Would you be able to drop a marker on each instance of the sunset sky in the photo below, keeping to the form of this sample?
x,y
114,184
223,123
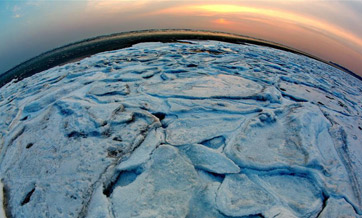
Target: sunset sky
x,y
331,30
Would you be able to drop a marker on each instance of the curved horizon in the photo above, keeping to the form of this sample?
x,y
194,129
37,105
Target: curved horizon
x,y
91,46
328,30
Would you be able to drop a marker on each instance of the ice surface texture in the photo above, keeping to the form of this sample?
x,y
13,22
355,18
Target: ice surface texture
x,y
192,129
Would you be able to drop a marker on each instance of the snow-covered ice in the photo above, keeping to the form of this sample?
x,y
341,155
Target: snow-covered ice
x,y
192,129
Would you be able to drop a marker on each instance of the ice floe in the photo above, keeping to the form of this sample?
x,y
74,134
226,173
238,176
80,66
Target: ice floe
x,y
198,129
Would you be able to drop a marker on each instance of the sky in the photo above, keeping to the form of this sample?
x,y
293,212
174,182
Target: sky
x,y
330,30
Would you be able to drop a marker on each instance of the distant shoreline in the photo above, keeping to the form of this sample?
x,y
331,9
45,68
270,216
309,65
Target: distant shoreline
x,y
82,49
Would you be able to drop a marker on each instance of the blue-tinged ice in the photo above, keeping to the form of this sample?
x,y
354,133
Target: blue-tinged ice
x,y
193,129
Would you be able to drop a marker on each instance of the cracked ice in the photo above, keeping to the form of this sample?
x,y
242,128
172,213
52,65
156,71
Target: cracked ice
x,y
197,129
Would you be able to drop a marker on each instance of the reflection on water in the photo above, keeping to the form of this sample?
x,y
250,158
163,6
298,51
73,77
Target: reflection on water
x,y
329,30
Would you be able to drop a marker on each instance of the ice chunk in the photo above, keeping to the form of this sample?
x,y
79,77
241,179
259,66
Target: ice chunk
x,y
164,189
99,205
300,92
271,94
338,208
279,212
208,159
287,138
48,98
143,152
215,142
179,105
189,131
203,203
298,192
240,196
206,87
102,89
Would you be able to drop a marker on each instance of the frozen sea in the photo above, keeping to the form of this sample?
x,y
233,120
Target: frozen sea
x,y
184,129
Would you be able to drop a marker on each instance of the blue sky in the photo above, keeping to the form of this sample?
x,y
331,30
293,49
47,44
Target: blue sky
x,y
328,29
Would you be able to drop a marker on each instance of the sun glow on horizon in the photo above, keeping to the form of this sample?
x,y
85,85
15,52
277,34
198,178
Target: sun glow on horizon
x,y
311,23
327,29
222,21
